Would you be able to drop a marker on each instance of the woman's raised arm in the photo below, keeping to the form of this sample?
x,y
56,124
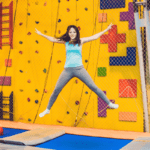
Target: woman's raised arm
x,y
52,39
96,36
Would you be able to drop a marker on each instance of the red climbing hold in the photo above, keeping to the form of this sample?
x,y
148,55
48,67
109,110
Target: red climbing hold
x,y
36,51
112,38
1,131
20,52
45,3
68,9
29,33
28,99
86,113
29,81
77,102
59,121
79,28
20,23
76,81
59,61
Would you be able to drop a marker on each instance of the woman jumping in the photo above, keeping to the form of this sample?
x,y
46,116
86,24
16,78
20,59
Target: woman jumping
x,y
73,66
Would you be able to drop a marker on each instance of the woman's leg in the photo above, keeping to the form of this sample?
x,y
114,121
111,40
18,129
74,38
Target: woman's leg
x,y
83,75
62,81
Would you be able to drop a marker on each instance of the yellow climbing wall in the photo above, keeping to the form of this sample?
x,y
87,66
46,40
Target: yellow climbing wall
x,y
32,55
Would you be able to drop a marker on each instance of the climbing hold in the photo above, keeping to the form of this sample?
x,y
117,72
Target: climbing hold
x,y
76,81
29,119
21,90
86,9
86,113
67,112
20,52
21,118
1,131
59,20
45,31
29,61
20,23
59,121
36,3
29,81
86,92
8,62
102,17
45,90
77,102
77,19
20,42
36,90
28,14
37,22
59,61
58,1
21,71
101,71
36,51
68,9
37,41
45,3
28,99
44,70
86,60
68,0
28,4
36,101
29,33
59,31
79,28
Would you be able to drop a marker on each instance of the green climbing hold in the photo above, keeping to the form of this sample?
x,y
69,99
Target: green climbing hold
x,y
101,71
44,70
29,119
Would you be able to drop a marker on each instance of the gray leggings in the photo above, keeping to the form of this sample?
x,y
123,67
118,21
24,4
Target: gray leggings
x,y
80,73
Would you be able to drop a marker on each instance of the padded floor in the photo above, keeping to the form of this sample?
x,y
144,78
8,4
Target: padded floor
x,y
33,137
15,147
141,143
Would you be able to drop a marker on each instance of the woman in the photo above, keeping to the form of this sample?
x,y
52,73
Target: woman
x,y
73,66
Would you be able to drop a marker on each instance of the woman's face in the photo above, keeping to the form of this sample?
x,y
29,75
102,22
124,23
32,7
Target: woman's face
x,y
72,33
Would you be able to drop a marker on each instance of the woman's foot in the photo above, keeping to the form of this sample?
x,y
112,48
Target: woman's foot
x,y
47,111
111,105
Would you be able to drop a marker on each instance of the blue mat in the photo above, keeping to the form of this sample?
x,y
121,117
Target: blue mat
x,y
75,142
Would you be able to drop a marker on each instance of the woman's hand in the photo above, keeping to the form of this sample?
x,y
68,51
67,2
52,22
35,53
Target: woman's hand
x,y
110,26
38,32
